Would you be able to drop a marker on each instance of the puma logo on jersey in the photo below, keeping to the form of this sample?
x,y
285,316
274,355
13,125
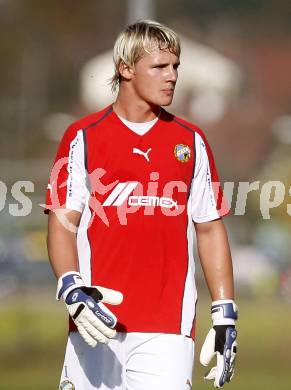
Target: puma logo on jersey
x,y
145,154
123,190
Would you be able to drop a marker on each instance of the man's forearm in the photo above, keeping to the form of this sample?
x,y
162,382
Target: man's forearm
x,y
215,257
62,243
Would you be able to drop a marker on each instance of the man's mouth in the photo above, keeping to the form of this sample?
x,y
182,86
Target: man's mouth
x,y
168,90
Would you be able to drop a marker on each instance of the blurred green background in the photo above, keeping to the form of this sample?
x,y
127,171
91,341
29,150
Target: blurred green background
x,y
33,337
234,82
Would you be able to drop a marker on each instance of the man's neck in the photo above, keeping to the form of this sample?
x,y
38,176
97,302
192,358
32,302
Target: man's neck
x,y
135,111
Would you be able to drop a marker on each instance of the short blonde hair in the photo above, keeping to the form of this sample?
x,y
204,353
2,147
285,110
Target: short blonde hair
x,y
140,38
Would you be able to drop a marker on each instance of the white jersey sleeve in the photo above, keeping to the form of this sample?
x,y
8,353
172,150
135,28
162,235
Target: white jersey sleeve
x,y
205,190
67,187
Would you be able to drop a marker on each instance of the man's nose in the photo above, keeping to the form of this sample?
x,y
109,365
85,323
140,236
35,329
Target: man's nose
x,y
172,74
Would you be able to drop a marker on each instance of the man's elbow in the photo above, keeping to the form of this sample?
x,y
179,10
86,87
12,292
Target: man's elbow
x,y
208,227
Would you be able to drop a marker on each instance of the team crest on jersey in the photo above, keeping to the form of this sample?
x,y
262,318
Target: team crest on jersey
x,y
182,153
67,385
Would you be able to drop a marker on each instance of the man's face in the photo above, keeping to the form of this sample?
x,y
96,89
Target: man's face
x,y
155,76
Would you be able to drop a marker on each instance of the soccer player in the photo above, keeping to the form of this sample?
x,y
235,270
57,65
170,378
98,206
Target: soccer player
x,y
129,186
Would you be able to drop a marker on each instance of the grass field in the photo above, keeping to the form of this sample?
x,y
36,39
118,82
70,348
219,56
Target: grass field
x,y
32,340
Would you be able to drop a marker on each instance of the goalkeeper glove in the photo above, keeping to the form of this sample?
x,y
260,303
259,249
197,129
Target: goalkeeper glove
x,y
94,321
221,340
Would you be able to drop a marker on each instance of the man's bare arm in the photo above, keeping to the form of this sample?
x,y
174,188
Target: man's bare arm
x,y
94,321
215,257
61,240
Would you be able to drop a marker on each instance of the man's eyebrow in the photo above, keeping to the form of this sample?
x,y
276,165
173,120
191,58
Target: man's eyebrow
x,y
166,63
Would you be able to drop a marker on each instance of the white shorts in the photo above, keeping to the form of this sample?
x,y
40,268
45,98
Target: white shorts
x,y
131,361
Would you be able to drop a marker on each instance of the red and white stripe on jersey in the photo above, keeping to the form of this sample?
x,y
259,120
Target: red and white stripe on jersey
x,y
67,187
145,250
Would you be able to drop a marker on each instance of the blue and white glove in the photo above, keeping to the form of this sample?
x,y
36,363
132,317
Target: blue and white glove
x,y
94,321
221,341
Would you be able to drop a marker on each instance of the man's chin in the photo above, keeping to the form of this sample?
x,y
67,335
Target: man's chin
x,y
166,102
161,102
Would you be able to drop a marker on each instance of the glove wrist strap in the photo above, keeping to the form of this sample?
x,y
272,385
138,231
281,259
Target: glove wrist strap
x,y
224,312
68,282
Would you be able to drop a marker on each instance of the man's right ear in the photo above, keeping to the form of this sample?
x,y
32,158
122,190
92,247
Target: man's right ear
x,y
125,71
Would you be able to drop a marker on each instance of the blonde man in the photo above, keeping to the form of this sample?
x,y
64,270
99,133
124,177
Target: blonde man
x,y
137,181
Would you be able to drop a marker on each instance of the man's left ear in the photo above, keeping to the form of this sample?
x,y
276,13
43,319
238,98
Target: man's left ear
x,y
126,71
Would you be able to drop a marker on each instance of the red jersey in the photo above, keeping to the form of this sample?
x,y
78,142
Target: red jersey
x,y
139,196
